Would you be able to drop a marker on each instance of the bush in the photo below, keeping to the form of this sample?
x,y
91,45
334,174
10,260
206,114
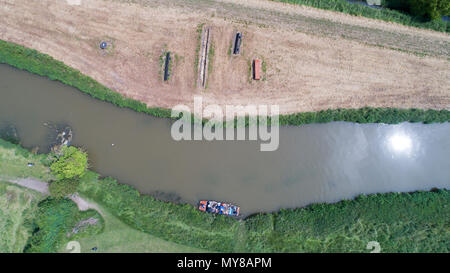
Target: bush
x,y
54,223
63,188
400,222
71,164
430,9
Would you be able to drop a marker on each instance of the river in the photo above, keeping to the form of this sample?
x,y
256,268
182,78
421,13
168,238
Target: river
x,y
314,163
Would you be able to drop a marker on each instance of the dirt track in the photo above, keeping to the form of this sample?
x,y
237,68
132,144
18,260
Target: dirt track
x,y
309,65
42,187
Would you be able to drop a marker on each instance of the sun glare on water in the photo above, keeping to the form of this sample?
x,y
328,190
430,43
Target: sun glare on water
x,y
400,143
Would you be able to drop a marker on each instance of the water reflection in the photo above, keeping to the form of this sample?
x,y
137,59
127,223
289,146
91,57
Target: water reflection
x,y
400,143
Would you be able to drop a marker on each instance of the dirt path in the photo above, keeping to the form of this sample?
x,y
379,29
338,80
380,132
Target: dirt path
x,y
31,183
314,59
83,204
42,187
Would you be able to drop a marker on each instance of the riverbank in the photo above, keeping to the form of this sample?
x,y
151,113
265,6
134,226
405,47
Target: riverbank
x,y
400,222
44,65
19,210
316,59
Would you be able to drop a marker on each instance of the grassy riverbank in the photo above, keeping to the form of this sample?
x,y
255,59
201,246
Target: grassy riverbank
x,y
407,222
58,221
44,65
22,210
118,237
18,208
14,160
388,15
416,222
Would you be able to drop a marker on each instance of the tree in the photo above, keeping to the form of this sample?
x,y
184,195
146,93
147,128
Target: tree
x,y
432,9
71,164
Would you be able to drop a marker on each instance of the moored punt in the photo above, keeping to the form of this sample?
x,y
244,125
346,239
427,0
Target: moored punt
x,y
256,69
218,208
237,43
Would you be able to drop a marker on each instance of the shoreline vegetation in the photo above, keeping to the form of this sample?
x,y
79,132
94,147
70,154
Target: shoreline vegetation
x,y
44,65
400,222
385,14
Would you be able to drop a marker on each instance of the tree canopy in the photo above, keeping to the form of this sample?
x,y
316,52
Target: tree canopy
x,y
72,164
431,9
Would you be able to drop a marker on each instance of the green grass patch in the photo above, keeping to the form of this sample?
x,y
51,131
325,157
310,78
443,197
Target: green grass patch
x,y
18,207
400,222
14,163
264,69
385,14
118,237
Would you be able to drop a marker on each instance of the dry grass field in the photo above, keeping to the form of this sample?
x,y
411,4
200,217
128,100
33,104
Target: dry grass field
x,y
313,59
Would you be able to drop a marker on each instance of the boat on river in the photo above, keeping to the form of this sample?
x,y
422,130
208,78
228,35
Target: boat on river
x,y
218,208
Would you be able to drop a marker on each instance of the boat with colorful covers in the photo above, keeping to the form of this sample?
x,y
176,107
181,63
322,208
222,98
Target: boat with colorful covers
x,y
219,208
